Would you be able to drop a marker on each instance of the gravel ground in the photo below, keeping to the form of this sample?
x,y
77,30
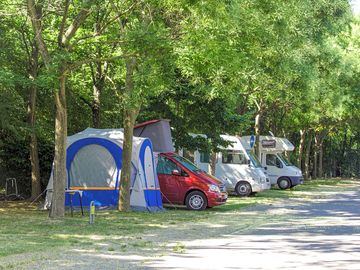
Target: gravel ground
x,y
320,231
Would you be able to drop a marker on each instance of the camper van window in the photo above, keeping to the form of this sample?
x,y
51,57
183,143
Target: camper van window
x,y
204,157
232,157
166,166
254,160
188,155
272,160
284,160
187,164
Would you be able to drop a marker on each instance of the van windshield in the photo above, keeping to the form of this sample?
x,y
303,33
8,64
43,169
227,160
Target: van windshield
x,y
187,164
284,160
254,160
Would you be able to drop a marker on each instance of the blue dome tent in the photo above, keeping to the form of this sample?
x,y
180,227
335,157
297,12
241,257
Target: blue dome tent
x,y
94,162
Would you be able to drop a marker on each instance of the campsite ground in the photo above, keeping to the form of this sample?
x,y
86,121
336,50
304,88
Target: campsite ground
x,y
316,223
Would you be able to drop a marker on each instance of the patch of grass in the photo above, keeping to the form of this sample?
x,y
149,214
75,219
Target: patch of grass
x,y
25,229
179,248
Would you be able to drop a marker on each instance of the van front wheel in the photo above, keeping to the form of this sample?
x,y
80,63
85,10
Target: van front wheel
x,y
196,200
284,183
243,189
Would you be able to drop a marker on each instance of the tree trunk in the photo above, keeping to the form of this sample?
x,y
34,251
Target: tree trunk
x,y
301,149
98,77
130,115
213,163
315,161
257,134
31,110
321,152
307,157
95,108
58,201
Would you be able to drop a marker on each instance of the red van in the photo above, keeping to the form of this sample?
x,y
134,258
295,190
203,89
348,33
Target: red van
x,y
181,182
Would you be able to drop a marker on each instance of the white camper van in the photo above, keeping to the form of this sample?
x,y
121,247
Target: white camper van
x,y
278,168
237,168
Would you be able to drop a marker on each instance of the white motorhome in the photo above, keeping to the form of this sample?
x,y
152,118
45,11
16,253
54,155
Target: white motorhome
x,y
278,168
237,168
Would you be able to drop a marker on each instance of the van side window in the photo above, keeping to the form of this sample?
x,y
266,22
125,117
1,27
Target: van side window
x,y
232,157
165,166
272,160
204,157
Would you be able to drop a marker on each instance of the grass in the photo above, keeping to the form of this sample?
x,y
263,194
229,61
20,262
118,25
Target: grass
x,y
24,229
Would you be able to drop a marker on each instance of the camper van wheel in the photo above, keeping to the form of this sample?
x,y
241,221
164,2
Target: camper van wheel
x,y
284,183
196,200
243,189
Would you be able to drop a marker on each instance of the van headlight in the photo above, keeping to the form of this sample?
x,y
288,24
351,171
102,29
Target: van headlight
x,y
214,188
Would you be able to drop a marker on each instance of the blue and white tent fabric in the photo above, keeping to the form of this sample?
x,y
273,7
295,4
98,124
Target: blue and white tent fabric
x,y
94,162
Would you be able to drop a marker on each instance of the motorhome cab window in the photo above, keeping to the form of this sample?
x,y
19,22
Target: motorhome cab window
x,y
165,166
284,160
204,157
272,160
232,157
254,160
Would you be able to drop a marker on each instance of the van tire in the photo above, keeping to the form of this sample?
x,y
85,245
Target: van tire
x,y
284,183
196,200
243,189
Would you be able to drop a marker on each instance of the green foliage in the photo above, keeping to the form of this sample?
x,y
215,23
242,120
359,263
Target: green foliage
x,y
205,65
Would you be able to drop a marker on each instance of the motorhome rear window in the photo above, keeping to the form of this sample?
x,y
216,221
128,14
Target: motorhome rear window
x,y
204,157
232,157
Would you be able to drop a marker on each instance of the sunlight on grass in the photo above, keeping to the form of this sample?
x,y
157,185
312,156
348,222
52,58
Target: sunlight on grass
x,y
25,229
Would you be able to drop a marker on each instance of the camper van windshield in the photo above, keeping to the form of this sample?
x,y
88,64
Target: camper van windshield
x,y
187,164
284,160
254,159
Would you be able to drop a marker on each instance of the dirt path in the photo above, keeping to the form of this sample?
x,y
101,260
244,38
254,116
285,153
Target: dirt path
x,y
320,231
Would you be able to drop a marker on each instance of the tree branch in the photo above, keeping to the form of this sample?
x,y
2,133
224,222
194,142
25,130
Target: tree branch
x,y
94,60
63,21
35,16
78,21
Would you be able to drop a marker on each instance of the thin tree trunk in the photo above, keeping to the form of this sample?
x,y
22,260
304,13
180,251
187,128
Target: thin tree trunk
x,y
98,77
31,110
301,148
64,37
315,161
213,163
321,152
58,200
95,108
257,134
130,115
286,153
307,157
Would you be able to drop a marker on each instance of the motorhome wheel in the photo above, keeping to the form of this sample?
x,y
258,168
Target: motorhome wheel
x,y
284,183
243,189
196,200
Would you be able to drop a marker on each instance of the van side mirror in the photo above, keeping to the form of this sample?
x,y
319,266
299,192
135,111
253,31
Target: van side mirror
x,y
279,165
265,168
175,172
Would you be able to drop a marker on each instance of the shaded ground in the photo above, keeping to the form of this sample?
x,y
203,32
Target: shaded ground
x,y
319,229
